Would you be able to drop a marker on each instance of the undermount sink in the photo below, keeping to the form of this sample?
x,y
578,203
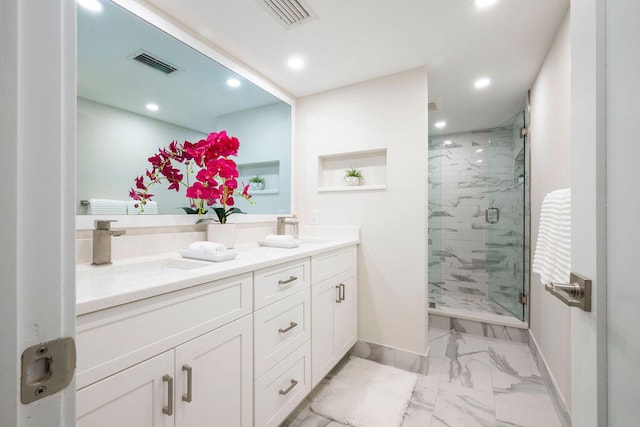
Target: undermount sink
x,y
136,270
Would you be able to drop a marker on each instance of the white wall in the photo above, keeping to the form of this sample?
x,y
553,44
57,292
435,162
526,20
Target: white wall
x,y
113,148
623,205
387,112
550,319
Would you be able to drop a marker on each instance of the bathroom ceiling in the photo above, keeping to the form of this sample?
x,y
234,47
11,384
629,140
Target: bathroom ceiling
x,y
350,41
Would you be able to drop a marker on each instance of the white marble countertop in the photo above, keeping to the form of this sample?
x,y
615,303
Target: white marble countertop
x,y
132,279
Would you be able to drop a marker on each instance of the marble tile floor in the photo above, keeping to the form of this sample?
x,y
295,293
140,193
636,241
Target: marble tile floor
x,y
471,381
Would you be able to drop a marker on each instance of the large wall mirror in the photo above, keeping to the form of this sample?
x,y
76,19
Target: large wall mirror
x,y
126,63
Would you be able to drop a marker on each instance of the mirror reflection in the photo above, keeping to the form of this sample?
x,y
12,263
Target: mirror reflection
x,y
139,89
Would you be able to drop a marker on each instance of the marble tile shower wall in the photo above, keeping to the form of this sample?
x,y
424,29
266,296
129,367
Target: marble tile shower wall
x,y
469,258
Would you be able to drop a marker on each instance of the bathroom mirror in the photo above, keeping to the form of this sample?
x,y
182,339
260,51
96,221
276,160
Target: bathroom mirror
x,y
140,88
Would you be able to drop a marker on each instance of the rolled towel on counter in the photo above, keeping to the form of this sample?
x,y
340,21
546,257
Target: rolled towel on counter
x,y
211,248
278,237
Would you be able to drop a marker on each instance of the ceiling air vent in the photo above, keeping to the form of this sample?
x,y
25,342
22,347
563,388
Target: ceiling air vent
x,y
288,12
154,62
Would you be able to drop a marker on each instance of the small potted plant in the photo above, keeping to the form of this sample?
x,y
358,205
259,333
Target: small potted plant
x,y
257,182
353,176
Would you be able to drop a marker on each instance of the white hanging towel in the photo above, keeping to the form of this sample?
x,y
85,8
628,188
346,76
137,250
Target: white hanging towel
x,y
552,257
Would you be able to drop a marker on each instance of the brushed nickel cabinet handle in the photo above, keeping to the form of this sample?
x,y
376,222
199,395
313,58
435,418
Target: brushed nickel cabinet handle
x,y
187,397
168,410
285,392
338,300
289,280
342,292
288,328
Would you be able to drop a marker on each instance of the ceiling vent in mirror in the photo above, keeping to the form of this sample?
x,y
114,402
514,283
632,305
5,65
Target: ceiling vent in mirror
x,y
288,12
154,62
435,104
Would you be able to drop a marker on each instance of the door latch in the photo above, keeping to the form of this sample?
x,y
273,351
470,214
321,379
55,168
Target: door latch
x,y
47,368
576,293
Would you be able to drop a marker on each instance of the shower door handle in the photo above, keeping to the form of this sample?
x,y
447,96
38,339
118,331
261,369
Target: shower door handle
x,y
493,217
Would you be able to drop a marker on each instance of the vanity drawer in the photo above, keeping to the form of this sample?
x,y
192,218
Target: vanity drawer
x,y
111,340
282,388
327,265
279,329
275,283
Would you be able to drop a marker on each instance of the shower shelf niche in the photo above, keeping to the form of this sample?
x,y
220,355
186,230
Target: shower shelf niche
x,y
372,164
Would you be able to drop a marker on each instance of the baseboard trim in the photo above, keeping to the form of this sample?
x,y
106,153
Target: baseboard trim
x,y
557,398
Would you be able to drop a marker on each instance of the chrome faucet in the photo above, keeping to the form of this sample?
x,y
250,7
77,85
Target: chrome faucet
x,y
102,241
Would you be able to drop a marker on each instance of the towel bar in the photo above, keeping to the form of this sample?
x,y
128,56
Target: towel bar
x,y
577,293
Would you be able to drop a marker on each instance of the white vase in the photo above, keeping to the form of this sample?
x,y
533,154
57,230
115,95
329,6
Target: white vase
x,y
222,233
257,185
352,180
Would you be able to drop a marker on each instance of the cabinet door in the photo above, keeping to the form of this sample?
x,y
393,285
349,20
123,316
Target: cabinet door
x,y
219,368
134,397
345,324
323,300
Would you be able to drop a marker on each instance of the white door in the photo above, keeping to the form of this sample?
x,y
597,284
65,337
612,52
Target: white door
x,y
588,255
623,206
136,397
37,208
215,377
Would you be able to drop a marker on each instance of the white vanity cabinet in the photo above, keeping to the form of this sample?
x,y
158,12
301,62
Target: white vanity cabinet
x,y
282,333
334,309
237,351
205,381
187,362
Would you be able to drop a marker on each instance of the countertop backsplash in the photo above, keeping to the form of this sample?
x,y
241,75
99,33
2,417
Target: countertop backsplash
x,y
156,240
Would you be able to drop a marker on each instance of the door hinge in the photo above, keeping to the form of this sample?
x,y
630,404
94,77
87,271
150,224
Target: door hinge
x,y
523,299
524,132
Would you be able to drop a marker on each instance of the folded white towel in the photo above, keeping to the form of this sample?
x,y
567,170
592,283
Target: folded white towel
x,y
106,207
552,257
210,248
278,237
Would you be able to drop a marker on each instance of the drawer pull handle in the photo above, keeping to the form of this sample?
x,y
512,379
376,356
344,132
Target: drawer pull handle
x,y
188,396
285,392
168,410
289,280
288,328
338,300
342,292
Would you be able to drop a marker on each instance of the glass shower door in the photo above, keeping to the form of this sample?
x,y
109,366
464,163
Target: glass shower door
x,y
505,217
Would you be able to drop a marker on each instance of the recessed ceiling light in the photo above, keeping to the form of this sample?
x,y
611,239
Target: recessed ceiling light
x,y
448,142
295,63
479,150
233,82
482,83
479,161
92,5
482,4
440,124
152,107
